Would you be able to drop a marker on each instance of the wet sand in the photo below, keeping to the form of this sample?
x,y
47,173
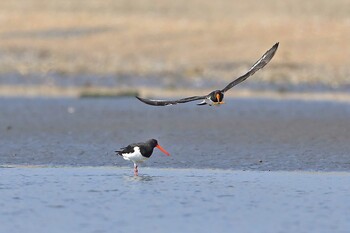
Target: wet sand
x,y
244,134
108,199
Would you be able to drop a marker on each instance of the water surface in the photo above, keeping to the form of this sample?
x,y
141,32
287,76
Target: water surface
x,y
109,199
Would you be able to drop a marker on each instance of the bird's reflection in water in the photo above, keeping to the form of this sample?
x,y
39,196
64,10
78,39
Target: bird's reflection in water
x,y
142,178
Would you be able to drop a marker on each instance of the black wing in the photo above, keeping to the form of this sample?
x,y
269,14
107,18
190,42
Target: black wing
x,y
257,66
170,102
125,150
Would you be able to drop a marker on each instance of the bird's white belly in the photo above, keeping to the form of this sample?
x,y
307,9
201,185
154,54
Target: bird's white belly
x,y
211,103
208,101
136,156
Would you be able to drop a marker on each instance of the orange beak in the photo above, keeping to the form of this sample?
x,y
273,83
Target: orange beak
x,y
218,98
162,150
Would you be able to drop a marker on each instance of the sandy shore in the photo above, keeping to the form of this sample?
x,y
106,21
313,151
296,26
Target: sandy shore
x,y
176,41
76,92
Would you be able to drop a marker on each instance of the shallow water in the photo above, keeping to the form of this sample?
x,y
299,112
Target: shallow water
x,y
108,199
243,134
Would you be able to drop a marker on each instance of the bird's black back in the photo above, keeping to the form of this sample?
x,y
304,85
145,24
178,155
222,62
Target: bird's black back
x,y
146,148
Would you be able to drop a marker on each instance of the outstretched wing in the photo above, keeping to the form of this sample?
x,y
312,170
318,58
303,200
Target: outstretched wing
x,y
266,58
170,102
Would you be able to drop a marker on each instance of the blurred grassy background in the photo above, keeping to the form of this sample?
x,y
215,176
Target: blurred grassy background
x,y
46,44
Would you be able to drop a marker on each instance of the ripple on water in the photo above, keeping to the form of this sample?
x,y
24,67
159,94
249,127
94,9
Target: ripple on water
x,y
203,200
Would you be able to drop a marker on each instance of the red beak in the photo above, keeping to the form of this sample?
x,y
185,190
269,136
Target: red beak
x,y
162,150
218,97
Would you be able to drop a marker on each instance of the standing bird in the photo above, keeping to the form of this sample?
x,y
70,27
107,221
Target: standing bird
x,y
216,97
140,152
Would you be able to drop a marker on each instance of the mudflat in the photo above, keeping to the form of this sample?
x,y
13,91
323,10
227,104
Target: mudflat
x,y
281,165
244,133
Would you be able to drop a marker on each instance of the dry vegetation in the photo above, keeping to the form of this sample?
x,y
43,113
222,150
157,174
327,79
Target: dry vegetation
x,y
184,38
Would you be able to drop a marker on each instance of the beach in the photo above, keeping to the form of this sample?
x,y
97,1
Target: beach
x,y
174,44
273,158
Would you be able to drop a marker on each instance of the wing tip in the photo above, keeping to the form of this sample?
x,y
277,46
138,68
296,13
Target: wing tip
x,y
275,46
271,52
137,97
142,99
154,102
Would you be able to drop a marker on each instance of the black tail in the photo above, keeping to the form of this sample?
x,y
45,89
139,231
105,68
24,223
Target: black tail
x,y
118,152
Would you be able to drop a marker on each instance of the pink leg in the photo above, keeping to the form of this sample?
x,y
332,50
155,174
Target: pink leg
x,y
136,171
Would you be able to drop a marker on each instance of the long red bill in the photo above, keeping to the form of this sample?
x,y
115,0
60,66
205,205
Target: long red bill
x,y
162,150
218,97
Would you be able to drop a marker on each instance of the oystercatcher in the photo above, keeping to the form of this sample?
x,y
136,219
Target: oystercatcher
x,y
139,152
215,98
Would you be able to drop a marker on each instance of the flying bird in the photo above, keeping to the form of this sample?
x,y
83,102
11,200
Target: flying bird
x,y
215,98
140,152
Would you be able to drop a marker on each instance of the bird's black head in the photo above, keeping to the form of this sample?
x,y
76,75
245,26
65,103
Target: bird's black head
x,y
217,96
152,142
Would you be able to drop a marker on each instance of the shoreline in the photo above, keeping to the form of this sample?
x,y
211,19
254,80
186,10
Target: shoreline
x,y
98,92
172,169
